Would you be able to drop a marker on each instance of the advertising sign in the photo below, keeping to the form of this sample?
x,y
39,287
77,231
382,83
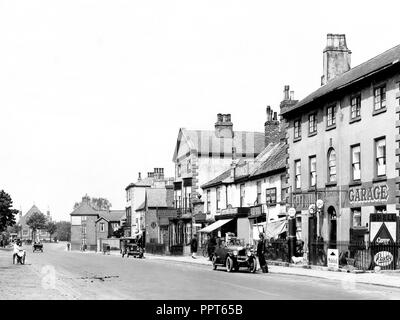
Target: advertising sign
x,y
333,258
383,258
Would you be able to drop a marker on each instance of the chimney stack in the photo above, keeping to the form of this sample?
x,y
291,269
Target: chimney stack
x,y
224,126
140,177
271,127
336,57
287,102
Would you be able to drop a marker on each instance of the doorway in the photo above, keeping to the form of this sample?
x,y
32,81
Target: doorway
x,y
332,227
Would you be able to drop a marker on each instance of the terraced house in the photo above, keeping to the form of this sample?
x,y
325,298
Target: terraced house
x,y
248,198
199,156
343,145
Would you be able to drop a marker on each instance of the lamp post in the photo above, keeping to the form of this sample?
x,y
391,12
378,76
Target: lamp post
x,y
292,233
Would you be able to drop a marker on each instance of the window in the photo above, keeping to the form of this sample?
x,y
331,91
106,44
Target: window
x,y
178,169
380,209
25,232
380,98
312,123
355,104
178,199
297,129
297,174
258,192
356,163
356,217
380,151
208,201
331,165
83,218
189,166
83,230
218,190
102,227
331,116
270,196
242,195
313,171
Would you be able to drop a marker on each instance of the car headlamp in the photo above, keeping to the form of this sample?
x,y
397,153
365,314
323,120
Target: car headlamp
x,y
249,253
235,252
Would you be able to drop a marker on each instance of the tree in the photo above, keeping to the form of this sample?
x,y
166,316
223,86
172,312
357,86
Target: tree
x,y
96,203
63,232
7,215
51,228
36,221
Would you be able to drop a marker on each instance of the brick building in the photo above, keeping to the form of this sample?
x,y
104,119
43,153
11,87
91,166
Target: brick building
x,y
343,144
27,232
89,226
135,197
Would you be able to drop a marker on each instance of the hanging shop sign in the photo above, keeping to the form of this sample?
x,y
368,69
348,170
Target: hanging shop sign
x,y
375,193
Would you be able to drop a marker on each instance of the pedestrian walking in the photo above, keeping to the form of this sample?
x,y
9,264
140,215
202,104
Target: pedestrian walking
x,y
193,246
68,246
261,253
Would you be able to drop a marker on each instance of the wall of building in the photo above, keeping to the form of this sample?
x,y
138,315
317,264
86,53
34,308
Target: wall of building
x,y
346,134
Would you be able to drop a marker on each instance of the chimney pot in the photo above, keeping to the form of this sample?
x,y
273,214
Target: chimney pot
x,y
292,95
286,92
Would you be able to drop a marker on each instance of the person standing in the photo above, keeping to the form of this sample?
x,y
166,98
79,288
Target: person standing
x,y
261,254
211,244
193,246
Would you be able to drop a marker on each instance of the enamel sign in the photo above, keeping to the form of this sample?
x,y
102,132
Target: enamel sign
x,y
383,258
333,258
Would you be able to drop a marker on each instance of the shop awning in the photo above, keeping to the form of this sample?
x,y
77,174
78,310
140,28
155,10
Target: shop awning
x,y
215,225
272,229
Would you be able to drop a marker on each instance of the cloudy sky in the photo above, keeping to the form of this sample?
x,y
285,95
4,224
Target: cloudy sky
x,y
92,92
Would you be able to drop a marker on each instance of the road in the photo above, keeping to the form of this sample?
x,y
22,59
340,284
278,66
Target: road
x,y
58,274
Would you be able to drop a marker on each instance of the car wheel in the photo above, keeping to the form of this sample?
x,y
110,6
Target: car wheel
x,y
253,265
214,262
229,264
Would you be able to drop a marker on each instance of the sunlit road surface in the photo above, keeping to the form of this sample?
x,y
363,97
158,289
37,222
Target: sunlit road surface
x,y
59,274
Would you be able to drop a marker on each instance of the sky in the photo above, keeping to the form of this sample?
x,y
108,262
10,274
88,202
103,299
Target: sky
x,y
93,92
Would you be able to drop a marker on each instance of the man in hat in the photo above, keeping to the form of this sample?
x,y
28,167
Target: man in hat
x,y
261,253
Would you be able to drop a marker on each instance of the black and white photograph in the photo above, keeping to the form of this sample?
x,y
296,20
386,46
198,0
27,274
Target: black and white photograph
x,y
182,150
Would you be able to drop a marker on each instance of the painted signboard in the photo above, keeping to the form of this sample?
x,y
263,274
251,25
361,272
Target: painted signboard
x,y
366,194
383,228
333,258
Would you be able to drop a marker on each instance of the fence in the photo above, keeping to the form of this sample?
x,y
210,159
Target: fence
x,y
358,255
155,248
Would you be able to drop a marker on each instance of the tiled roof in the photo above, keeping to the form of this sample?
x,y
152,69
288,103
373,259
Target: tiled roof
x,y
85,209
272,158
112,215
275,161
206,141
380,62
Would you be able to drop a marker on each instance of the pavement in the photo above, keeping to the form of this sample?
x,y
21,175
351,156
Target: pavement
x,y
60,274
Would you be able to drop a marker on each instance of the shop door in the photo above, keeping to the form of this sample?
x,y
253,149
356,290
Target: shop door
x,y
332,227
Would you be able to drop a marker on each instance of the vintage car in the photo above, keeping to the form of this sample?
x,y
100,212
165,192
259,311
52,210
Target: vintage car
x,y
131,247
37,246
234,255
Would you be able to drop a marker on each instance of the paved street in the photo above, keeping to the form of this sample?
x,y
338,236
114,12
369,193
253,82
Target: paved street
x,y
95,276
